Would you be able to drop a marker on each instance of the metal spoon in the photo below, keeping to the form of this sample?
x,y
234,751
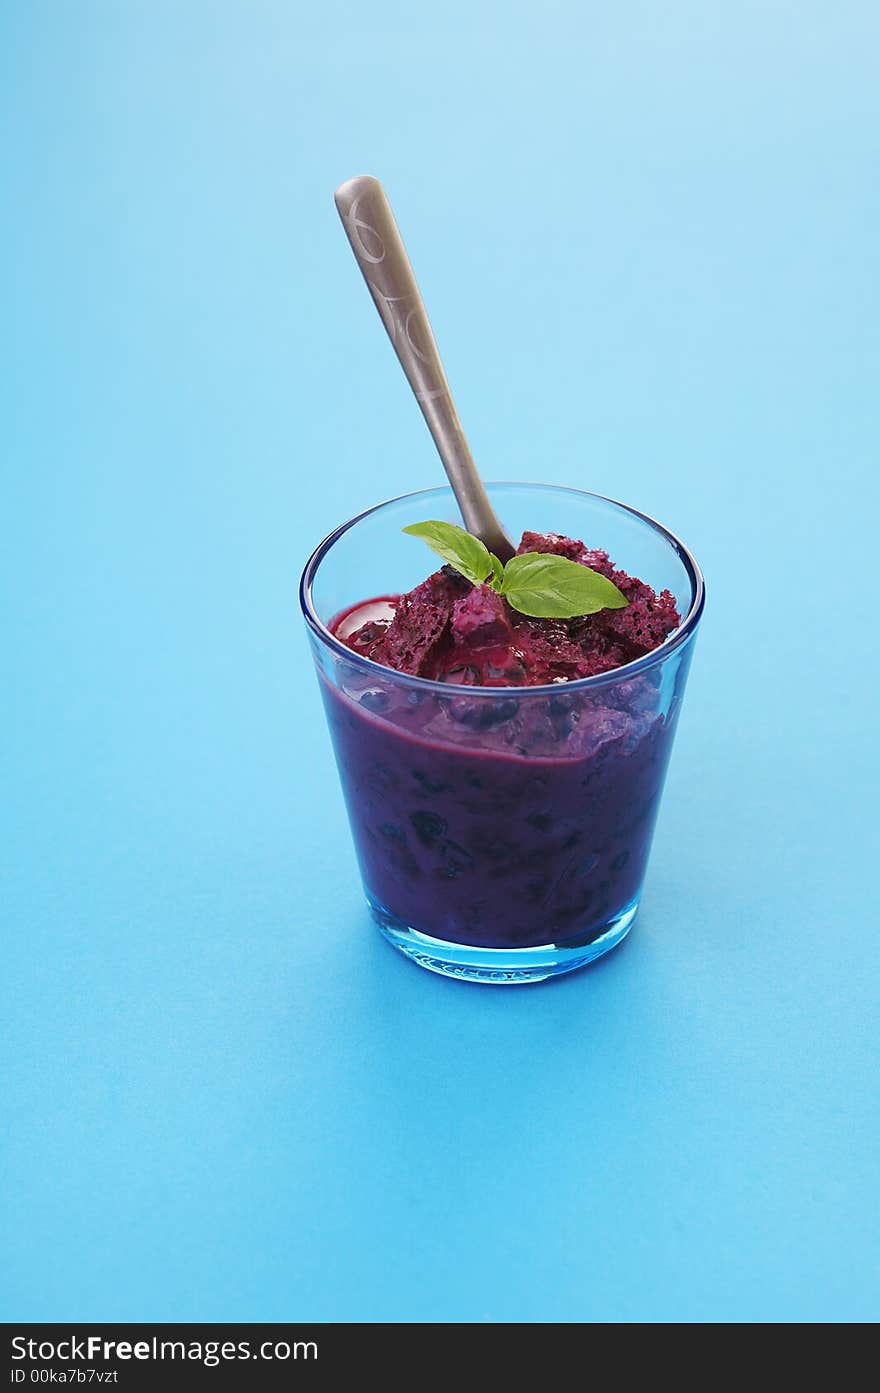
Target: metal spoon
x,y
378,247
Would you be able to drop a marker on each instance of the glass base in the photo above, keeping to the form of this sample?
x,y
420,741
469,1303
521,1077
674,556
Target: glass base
x,y
501,966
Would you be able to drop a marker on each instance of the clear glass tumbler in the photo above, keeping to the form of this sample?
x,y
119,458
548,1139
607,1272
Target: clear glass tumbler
x,y
502,833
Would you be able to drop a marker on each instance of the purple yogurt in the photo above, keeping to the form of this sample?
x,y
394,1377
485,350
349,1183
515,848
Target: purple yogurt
x,y
507,819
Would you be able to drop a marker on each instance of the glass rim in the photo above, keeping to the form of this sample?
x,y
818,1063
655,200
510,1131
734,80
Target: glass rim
x,y
657,655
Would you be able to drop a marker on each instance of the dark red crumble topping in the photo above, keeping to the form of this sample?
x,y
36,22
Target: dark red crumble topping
x,y
450,631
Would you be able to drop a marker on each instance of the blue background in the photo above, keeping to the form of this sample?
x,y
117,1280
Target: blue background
x,y
647,234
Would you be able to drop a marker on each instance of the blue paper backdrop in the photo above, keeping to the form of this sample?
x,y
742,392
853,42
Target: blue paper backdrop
x,y
648,236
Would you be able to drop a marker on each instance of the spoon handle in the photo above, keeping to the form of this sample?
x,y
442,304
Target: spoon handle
x,y
379,251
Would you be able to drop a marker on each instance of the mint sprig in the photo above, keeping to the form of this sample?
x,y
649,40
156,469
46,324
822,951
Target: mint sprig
x,y
539,584
466,553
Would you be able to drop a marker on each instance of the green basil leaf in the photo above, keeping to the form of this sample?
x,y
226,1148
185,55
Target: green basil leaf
x,y
497,576
551,587
466,553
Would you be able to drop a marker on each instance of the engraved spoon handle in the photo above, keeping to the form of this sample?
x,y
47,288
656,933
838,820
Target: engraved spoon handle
x,y
379,251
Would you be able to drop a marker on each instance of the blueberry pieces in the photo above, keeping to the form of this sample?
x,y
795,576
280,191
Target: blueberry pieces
x,y
542,821
429,827
374,699
429,785
381,780
455,860
396,850
481,714
504,710
536,891
459,855
392,833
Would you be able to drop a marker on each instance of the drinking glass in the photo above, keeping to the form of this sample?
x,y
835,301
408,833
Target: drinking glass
x,y
502,832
